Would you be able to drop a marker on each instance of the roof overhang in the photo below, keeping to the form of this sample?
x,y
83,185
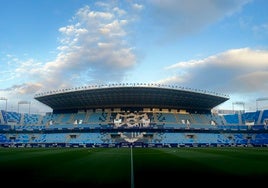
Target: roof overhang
x,y
131,97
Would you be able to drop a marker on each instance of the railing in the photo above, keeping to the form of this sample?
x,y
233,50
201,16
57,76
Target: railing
x,y
152,85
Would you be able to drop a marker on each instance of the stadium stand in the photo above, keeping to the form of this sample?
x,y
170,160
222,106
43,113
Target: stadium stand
x,y
138,117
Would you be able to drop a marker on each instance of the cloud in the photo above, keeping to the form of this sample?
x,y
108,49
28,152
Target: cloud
x,y
93,48
137,6
23,92
7,75
26,88
178,18
237,71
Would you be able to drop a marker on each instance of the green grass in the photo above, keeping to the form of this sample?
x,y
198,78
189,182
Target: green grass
x,y
111,167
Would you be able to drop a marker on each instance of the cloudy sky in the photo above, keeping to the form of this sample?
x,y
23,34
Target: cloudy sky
x,y
215,45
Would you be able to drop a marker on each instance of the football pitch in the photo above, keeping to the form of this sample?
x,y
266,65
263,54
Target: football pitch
x,y
133,167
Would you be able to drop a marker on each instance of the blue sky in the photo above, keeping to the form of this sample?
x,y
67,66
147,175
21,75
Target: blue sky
x,y
215,45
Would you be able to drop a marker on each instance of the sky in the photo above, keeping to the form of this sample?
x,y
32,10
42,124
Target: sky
x,y
215,45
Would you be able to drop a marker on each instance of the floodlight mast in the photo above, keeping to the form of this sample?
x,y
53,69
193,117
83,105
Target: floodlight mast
x,y
260,99
239,103
24,102
4,99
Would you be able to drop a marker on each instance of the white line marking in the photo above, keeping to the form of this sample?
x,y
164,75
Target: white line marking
x,y
132,170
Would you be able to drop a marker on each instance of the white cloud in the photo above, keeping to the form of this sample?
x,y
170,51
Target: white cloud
x,y
235,58
71,30
237,71
92,49
137,6
119,11
7,75
173,79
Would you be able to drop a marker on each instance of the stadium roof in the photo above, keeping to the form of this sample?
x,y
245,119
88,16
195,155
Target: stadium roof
x,y
131,96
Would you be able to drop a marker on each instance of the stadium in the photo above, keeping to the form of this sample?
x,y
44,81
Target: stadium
x,y
140,115
126,118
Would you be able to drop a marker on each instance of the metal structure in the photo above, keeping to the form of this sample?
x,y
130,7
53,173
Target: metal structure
x,y
4,99
259,100
239,103
24,102
130,97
